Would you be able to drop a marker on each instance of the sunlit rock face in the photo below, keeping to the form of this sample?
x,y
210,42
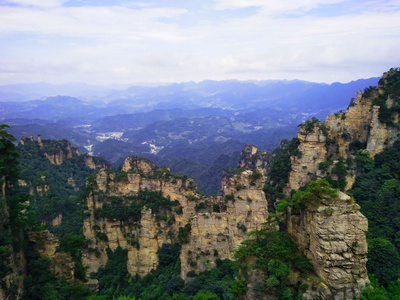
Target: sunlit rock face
x,y
218,225
333,236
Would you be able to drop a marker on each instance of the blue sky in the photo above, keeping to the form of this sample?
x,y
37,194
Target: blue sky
x,y
125,42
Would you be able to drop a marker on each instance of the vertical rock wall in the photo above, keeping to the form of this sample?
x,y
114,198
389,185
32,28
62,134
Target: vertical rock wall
x,y
313,152
333,236
218,235
214,234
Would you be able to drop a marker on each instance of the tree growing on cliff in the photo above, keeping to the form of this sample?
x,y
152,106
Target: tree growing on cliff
x,y
313,192
8,161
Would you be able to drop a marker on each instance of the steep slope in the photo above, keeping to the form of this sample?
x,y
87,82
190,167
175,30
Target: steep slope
x,y
331,232
370,122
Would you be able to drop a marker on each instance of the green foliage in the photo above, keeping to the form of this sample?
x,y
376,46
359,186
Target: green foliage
x,y
168,254
364,161
130,207
183,234
229,197
255,176
340,170
239,287
238,171
313,192
391,89
206,296
62,197
308,125
377,190
114,277
272,244
384,260
375,291
276,256
73,244
369,90
200,206
41,283
357,145
8,160
164,282
121,176
278,268
324,166
280,169
281,206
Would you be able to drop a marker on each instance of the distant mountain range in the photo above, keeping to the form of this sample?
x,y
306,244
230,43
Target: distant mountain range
x,y
180,120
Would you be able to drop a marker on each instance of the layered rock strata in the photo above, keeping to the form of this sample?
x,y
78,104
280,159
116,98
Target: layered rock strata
x,y
217,225
343,133
333,236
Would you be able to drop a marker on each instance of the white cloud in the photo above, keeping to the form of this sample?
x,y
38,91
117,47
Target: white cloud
x,y
122,45
38,3
89,22
274,6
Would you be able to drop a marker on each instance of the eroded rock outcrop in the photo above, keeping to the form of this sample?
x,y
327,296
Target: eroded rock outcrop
x,y
313,151
57,151
333,236
213,226
341,135
46,243
145,233
217,234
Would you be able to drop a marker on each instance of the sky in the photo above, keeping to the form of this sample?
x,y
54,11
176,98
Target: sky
x,y
125,42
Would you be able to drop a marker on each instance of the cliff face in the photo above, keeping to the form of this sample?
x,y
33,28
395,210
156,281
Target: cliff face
x,y
46,244
57,152
142,237
333,236
217,234
341,135
313,152
208,227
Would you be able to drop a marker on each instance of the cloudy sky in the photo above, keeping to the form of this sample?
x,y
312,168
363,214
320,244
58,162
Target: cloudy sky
x,y
124,42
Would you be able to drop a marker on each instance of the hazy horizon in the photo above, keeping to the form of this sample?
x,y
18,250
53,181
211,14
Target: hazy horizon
x,y
157,84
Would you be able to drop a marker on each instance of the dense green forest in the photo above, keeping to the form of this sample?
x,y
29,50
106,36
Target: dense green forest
x,y
377,190
64,183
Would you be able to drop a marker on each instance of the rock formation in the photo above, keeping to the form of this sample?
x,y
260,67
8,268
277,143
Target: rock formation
x,y
58,151
46,244
217,225
332,236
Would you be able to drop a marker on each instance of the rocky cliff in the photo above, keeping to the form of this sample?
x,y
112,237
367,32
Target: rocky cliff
x,y
55,151
46,244
58,151
332,236
207,227
361,126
